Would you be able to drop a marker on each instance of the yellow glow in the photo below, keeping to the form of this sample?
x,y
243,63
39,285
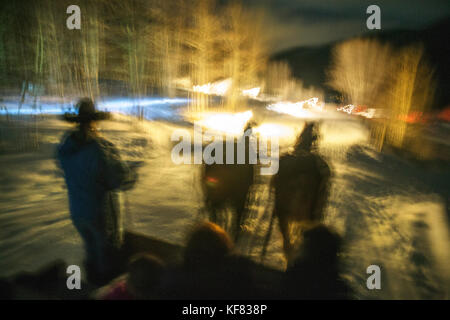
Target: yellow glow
x,y
231,123
219,88
274,130
301,109
347,109
350,109
184,83
251,93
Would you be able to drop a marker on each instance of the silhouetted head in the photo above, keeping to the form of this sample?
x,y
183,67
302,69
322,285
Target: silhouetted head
x,y
250,125
87,113
145,272
307,138
86,110
207,245
315,272
320,247
6,290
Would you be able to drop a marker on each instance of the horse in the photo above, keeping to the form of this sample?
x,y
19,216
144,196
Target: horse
x,y
301,189
228,186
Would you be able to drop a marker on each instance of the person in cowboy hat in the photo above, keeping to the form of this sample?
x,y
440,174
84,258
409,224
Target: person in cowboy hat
x,y
94,172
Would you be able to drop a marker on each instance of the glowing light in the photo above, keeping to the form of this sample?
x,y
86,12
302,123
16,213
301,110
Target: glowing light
x,y
358,110
120,103
251,93
11,108
211,179
219,88
444,115
274,130
148,108
301,109
415,117
152,107
211,182
347,109
184,83
231,123
369,113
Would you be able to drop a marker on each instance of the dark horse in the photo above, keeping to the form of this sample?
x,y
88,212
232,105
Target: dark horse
x,y
227,186
301,188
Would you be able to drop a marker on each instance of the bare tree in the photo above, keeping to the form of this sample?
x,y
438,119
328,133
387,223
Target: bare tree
x,y
129,46
202,40
245,51
277,77
374,74
359,70
412,89
54,46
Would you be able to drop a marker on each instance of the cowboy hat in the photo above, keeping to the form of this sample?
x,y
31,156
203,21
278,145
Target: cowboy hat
x,y
86,112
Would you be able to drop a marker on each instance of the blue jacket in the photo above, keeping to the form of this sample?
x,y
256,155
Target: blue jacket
x,y
94,173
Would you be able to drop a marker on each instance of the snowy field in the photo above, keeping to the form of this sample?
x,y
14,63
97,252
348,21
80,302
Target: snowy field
x,y
390,212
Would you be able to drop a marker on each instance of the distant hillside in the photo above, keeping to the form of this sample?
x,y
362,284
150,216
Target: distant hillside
x,y
311,63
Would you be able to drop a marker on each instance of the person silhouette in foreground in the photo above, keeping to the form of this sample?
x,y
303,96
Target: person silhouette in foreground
x,y
205,254
143,280
209,269
94,172
314,273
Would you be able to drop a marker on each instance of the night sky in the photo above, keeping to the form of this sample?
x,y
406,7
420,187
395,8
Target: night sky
x,y
312,22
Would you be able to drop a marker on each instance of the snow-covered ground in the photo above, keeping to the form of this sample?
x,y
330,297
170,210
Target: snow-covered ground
x,y
390,212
